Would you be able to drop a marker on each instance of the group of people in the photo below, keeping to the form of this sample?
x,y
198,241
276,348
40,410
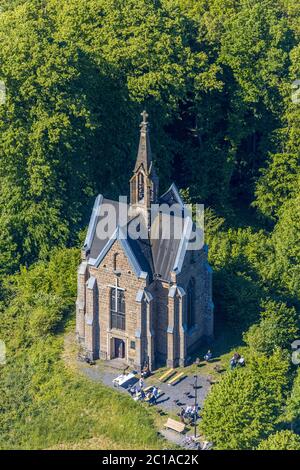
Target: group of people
x,y
189,413
237,360
138,393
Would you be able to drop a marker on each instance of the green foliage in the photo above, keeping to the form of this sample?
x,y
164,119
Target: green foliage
x,y
43,403
216,80
278,328
292,414
39,298
256,47
282,440
277,183
236,258
244,407
285,268
45,315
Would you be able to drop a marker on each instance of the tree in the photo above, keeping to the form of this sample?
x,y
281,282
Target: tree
x,y
281,440
211,77
255,53
42,125
278,328
277,184
243,408
77,69
285,270
292,413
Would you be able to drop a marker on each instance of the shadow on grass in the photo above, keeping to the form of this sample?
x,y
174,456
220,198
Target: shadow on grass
x,y
212,361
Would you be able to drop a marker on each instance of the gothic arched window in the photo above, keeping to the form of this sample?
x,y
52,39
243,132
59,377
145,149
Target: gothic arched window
x,y
191,317
141,188
117,308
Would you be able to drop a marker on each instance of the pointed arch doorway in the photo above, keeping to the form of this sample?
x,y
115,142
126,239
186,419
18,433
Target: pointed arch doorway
x,y
119,348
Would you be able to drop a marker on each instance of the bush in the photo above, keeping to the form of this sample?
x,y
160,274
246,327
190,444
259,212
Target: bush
x,y
46,315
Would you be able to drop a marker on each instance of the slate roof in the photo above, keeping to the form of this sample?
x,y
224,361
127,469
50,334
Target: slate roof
x,y
154,254
164,251
94,243
171,196
142,250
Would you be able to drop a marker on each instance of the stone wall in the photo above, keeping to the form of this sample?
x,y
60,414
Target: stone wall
x,y
196,266
160,292
106,276
82,276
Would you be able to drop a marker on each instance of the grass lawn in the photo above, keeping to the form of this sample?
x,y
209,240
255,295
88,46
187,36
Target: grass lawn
x,y
47,404
61,409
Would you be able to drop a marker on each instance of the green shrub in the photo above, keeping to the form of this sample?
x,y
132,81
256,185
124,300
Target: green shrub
x,y
46,315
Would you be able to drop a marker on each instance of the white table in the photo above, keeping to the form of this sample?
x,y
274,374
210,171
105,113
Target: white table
x,y
122,379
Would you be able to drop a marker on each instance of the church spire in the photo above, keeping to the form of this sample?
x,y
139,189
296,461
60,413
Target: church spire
x,y
144,182
144,156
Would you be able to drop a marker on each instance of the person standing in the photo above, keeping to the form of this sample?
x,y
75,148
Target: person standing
x,y
241,361
208,356
141,383
182,415
155,394
232,363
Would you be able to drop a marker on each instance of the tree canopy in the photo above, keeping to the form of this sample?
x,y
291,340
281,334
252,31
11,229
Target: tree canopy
x,y
281,440
244,407
214,78
220,81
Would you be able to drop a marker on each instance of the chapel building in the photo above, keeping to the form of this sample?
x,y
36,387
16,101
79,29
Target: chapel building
x,y
144,292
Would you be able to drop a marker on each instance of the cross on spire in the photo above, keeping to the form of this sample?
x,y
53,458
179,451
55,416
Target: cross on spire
x,y
145,116
144,124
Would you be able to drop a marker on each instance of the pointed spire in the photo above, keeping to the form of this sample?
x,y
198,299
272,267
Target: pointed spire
x,y
144,184
144,156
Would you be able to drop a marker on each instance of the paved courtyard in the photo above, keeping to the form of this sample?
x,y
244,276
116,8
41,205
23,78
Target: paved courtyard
x,y
172,397
169,402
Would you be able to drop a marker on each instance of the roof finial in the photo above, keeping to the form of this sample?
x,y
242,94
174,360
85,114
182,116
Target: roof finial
x,y
144,123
